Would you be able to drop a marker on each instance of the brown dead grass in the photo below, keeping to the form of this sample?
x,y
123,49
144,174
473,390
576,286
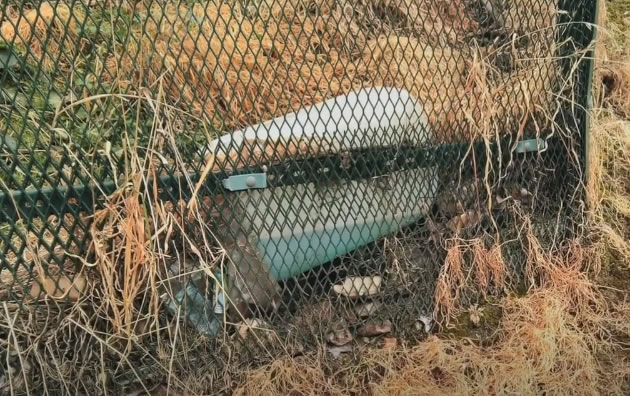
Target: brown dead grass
x,y
126,263
541,348
609,173
468,266
490,268
450,282
41,29
235,66
271,64
563,337
549,341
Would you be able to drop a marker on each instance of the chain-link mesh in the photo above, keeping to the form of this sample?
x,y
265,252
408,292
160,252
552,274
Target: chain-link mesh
x,y
274,173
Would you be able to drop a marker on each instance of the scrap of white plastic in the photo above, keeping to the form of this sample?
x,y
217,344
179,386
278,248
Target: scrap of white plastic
x,y
365,118
219,299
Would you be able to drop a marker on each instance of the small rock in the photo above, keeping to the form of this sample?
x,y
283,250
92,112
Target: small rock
x,y
365,310
359,286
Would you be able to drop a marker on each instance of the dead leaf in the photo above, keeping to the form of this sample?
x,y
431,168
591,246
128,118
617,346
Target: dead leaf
x,y
36,291
60,287
365,310
390,343
336,351
359,286
375,329
465,220
340,337
248,325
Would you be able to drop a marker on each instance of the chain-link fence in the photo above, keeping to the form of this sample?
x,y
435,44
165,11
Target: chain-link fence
x,y
274,173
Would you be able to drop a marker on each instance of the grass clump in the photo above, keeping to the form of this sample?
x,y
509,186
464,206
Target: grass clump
x,y
539,347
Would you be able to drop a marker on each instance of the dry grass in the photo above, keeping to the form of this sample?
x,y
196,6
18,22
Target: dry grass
x,y
125,260
611,172
270,64
236,65
106,311
609,190
470,267
540,348
29,276
41,30
490,268
563,337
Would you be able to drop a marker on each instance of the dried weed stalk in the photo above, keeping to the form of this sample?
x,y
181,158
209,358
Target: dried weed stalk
x,y
541,347
469,268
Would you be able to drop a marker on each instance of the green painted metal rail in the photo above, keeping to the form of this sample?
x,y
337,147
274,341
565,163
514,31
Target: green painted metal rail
x,y
32,203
